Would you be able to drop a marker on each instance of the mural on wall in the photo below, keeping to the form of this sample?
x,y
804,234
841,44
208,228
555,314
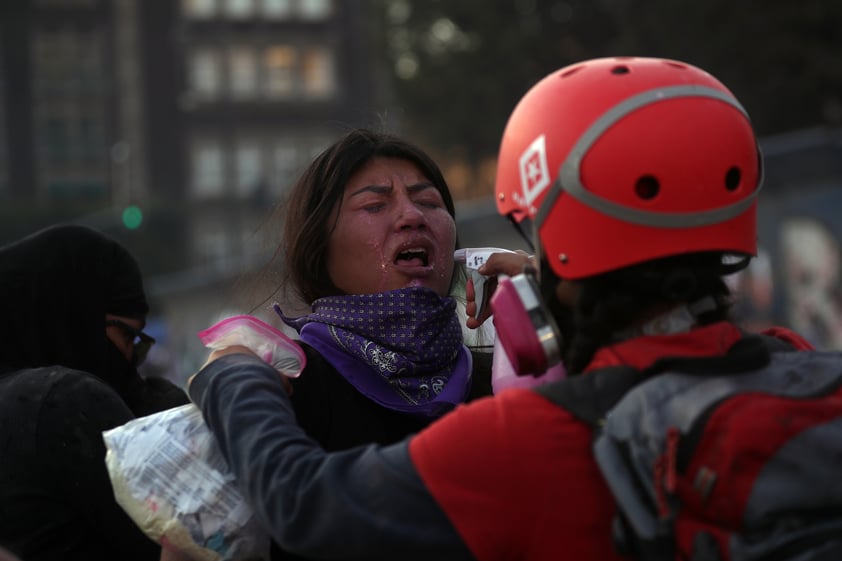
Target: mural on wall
x,y
810,271
796,280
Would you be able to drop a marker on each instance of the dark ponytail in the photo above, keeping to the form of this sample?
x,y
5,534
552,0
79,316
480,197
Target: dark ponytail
x,y
614,301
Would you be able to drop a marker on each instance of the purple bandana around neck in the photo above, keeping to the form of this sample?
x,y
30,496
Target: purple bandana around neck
x,y
402,348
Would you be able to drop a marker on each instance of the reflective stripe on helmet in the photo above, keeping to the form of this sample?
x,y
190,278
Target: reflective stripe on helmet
x,y
568,179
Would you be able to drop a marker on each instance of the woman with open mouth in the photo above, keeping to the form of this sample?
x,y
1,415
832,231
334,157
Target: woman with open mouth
x,y
368,242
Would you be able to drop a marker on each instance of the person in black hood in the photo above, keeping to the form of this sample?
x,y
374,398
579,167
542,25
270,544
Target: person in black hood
x,y
73,309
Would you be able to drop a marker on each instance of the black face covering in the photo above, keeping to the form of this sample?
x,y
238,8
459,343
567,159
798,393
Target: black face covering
x,y
56,287
121,374
144,396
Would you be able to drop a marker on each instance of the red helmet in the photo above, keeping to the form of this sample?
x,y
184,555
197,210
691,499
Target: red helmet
x,y
624,160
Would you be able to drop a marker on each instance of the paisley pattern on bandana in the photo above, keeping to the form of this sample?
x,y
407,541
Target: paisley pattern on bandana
x,y
402,348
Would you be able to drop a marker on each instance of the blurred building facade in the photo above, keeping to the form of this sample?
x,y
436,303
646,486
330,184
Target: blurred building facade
x,y
197,114
175,126
177,107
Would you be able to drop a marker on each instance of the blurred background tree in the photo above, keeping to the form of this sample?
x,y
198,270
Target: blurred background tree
x,y
460,66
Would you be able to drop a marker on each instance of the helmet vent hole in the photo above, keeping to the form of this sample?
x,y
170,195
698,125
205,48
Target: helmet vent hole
x,y
733,178
647,187
620,70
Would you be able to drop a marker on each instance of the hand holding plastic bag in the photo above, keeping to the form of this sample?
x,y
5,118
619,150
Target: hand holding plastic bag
x,y
167,472
267,342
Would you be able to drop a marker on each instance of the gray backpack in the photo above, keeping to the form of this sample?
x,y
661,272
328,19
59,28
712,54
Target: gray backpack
x,y
731,458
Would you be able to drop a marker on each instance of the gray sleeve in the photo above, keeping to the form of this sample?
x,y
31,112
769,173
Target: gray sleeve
x,y
364,503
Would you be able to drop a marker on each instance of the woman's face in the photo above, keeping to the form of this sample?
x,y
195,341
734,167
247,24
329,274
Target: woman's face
x,y
392,231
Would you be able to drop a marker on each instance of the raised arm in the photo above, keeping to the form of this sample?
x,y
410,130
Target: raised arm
x,y
363,503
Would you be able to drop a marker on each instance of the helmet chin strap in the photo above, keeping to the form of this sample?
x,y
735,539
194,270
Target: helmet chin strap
x,y
522,230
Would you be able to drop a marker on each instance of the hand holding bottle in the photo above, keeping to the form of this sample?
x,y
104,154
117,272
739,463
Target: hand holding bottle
x,y
484,264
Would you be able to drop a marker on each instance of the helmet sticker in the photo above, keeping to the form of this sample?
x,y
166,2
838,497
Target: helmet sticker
x,y
534,174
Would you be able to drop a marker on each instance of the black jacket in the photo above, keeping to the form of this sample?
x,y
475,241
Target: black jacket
x,y
56,501
335,414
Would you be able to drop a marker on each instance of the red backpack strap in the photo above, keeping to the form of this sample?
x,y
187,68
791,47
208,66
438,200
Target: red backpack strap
x,y
589,396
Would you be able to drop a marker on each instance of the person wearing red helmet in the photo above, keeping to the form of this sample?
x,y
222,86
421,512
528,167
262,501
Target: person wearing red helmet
x,y
640,177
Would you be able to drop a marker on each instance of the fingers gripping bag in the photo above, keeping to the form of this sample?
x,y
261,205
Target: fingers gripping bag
x,y
167,471
264,340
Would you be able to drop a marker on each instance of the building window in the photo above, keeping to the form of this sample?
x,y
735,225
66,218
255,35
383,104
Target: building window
x,y
290,155
277,9
208,169
290,72
248,165
70,118
285,165
199,9
91,146
254,166
205,73
317,73
279,63
247,73
315,9
309,10
243,72
89,63
56,57
56,141
239,9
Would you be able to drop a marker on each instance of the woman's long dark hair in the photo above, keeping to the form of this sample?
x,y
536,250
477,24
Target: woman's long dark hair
x,y
306,214
611,302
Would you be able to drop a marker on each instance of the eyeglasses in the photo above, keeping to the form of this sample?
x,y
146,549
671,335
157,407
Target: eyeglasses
x,y
142,342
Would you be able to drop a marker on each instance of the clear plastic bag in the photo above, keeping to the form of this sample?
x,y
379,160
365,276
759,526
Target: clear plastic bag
x,y
266,341
167,471
168,475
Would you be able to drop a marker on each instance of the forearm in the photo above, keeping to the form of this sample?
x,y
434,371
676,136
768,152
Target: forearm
x,y
366,502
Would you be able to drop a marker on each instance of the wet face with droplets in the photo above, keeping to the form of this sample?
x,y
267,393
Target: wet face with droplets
x,y
392,231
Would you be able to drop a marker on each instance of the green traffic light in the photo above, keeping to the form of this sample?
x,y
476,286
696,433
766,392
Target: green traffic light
x,y
132,217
